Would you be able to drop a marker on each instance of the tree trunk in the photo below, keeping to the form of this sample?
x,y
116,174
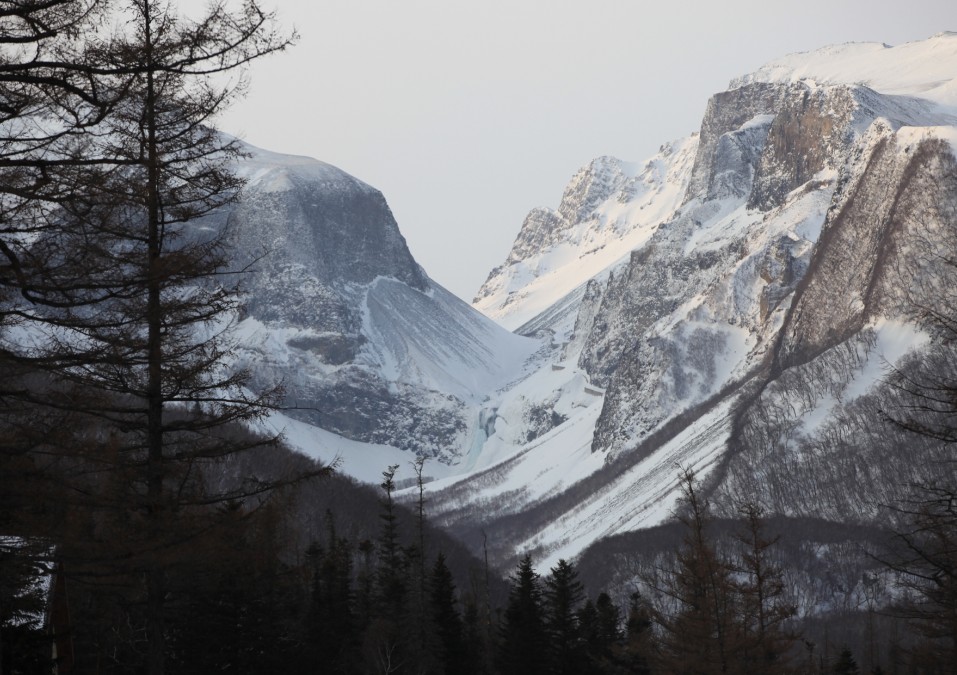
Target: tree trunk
x,y
154,388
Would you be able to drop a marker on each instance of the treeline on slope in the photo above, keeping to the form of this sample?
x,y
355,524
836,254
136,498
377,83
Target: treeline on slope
x,y
864,453
720,599
836,582
305,583
317,576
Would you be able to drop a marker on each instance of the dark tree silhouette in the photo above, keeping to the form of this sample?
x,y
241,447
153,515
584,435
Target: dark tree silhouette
x,y
563,596
117,277
599,624
391,573
524,639
699,636
330,636
765,609
925,557
845,664
447,620
638,651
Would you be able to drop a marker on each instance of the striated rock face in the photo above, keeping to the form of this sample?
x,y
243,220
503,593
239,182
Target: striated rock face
x,y
811,131
309,214
736,158
765,140
854,250
819,418
726,113
312,231
695,308
698,307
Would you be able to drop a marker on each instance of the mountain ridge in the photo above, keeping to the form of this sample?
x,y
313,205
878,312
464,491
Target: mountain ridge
x,y
731,294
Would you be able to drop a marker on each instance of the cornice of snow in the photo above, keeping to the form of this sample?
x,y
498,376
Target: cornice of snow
x,y
925,69
269,171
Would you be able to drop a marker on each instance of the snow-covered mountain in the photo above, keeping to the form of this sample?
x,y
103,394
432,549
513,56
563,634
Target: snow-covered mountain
x,y
377,361
731,306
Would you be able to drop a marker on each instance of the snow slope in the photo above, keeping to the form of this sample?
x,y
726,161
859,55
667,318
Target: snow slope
x,y
436,341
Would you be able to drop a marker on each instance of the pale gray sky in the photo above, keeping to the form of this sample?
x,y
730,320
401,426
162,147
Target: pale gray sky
x,y
468,114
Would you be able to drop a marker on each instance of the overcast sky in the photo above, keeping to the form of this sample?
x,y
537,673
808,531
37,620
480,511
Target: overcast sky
x,y
468,114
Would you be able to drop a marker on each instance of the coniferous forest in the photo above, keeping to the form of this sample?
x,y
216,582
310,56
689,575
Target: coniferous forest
x,y
303,583
146,528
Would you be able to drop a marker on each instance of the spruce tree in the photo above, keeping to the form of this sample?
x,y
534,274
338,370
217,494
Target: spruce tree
x,y
524,639
845,663
477,653
419,607
238,603
391,574
330,635
23,577
447,621
637,653
600,628
609,621
388,638
563,597
365,585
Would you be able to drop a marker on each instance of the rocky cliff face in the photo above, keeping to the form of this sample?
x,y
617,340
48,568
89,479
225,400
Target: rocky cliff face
x,y
819,418
314,232
695,310
747,332
365,344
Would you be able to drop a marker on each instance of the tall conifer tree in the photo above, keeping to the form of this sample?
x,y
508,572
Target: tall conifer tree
x,y
765,642
699,637
124,283
447,621
524,639
563,597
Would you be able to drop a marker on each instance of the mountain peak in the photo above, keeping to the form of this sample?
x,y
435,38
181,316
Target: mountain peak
x,y
316,217
607,209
